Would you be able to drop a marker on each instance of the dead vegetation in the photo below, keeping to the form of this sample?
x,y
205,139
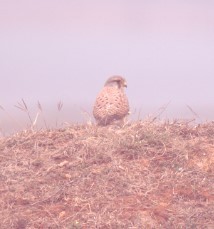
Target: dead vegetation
x,y
144,175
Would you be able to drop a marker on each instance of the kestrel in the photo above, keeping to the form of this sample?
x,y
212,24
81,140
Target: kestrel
x,y
111,103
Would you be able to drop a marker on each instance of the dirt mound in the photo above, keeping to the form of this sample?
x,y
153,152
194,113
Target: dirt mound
x,y
144,175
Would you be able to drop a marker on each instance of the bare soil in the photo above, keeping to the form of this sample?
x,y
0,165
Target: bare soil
x,y
143,175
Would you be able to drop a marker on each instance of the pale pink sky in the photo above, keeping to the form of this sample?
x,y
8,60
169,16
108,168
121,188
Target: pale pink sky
x,y
64,50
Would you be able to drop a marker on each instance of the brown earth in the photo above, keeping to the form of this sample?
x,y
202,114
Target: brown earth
x,y
143,175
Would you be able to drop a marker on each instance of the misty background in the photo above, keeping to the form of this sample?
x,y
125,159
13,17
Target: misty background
x,y
52,51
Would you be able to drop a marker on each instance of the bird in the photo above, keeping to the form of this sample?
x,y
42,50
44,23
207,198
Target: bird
x,y
111,103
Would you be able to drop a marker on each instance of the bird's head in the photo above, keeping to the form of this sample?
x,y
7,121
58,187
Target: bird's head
x,y
117,81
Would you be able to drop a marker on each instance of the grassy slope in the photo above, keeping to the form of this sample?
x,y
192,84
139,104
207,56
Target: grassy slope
x,y
144,175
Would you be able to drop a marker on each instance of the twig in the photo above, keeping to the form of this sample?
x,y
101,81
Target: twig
x,y
23,107
162,110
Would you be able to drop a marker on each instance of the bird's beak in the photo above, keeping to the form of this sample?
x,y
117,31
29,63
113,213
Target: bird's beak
x,y
125,84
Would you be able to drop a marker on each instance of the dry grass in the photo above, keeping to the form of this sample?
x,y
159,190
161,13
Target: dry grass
x,y
144,175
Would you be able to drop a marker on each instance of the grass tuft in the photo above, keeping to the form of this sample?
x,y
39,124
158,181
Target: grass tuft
x,y
147,174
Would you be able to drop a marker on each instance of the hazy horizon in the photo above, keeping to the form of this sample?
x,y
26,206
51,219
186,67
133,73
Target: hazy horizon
x,y
64,51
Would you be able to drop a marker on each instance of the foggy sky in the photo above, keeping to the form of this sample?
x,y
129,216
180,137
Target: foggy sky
x,y
65,50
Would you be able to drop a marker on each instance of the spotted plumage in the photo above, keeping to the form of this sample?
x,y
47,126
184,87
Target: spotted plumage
x,y
111,103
